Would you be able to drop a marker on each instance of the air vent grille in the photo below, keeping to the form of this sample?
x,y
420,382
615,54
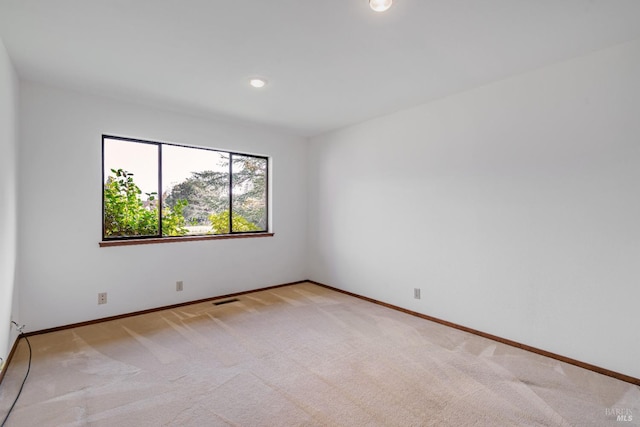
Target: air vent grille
x,y
227,301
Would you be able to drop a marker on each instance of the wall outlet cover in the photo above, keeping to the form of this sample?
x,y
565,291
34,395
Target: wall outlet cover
x,y
102,298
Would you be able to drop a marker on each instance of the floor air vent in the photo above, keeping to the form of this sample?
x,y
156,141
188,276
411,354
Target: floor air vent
x,y
227,301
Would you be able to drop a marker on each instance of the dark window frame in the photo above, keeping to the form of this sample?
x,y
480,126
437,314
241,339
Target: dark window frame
x,y
113,240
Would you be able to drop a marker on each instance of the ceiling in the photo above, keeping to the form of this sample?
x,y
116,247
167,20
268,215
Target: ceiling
x,y
329,63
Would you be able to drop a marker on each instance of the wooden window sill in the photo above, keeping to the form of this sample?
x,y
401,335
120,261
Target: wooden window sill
x,y
154,240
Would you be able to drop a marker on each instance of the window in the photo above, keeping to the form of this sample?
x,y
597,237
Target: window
x,y
159,190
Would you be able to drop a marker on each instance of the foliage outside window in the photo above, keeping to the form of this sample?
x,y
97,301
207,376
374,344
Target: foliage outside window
x,y
153,190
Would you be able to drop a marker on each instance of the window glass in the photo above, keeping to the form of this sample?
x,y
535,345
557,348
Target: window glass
x,y
249,193
195,182
162,190
130,189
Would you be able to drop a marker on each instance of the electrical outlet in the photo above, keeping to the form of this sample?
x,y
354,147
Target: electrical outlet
x,y
179,285
102,298
18,327
416,293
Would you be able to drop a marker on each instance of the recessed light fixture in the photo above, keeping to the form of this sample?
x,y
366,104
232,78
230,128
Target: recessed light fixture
x,y
257,82
380,5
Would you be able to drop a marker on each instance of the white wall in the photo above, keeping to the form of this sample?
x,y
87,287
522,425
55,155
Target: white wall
x,y
8,203
515,207
62,269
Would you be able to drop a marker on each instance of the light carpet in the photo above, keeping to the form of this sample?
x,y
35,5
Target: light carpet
x,y
299,355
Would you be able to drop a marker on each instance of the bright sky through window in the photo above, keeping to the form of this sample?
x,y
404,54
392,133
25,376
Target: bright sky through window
x,y
135,158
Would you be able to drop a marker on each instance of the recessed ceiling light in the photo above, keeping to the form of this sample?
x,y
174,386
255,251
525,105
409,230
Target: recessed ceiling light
x,y
380,5
257,82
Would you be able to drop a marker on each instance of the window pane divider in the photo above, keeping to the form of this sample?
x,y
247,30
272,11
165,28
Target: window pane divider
x,y
160,191
230,192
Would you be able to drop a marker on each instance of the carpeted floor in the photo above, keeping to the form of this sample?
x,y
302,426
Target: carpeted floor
x,y
299,355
